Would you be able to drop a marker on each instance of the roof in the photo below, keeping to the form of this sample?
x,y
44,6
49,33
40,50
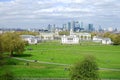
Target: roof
x,y
106,39
27,36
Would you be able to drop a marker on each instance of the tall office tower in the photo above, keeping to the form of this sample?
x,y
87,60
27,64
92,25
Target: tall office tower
x,y
90,27
77,27
77,24
53,28
73,26
69,26
49,27
115,30
100,29
81,25
64,27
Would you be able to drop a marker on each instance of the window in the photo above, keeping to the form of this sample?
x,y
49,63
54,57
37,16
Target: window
x,y
69,38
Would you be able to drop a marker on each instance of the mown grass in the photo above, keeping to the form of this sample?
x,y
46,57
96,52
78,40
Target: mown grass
x,y
107,56
38,70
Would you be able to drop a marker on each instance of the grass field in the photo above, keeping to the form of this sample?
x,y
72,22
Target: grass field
x,y
107,56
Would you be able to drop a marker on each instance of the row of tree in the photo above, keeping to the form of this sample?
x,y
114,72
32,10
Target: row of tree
x,y
27,33
64,33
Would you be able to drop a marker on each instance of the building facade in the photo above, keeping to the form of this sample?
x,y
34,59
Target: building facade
x,y
72,39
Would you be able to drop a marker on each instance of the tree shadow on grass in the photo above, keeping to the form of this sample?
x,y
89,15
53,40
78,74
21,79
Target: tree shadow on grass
x,y
22,55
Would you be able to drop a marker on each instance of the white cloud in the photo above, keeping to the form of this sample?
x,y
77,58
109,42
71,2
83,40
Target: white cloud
x,y
59,10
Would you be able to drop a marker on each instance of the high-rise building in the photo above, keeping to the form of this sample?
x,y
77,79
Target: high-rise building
x,y
100,29
90,27
73,26
81,25
69,26
77,24
49,28
64,27
54,27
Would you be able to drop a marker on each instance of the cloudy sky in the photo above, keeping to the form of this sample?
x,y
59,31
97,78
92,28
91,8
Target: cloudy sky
x,y
39,13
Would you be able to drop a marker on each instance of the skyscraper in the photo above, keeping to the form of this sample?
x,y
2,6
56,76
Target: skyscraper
x,y
81,25
90,27
64,27
49,27
69,26
73,26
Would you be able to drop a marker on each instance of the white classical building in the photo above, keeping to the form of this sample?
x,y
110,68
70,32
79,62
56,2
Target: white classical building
x,y
97,39
31,39
72,39
102,40
84,36
75,37
106,41
47,36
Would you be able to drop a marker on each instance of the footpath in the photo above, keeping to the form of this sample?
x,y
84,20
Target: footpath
x,y
58,63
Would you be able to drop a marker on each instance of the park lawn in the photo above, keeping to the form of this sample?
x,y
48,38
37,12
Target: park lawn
x,y
34,70
38,70
107,56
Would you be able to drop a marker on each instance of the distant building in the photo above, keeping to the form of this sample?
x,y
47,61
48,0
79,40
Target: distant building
x,y
75,37
69,26
64,27
85,36
1,31
82,36
102,40
31,39
97,39
90,27
72,39
106,41
47,36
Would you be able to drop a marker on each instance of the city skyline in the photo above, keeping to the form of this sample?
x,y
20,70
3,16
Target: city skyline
x,y
39,13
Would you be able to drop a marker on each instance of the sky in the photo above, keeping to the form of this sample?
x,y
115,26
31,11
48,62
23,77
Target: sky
x,y
40,13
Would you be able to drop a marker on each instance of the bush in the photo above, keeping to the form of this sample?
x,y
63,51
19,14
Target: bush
x,y
10,62
7,76
85,70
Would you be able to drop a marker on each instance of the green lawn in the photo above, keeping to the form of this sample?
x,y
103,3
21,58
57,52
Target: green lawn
x,y
107,57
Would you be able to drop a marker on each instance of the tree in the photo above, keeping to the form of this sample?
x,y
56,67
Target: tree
x,y
7,76
115,38
64,33
27,33
85,70
107,34
12,43
93,34
1,52
0,44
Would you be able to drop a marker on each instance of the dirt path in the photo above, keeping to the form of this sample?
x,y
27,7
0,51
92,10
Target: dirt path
x,y
59,64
